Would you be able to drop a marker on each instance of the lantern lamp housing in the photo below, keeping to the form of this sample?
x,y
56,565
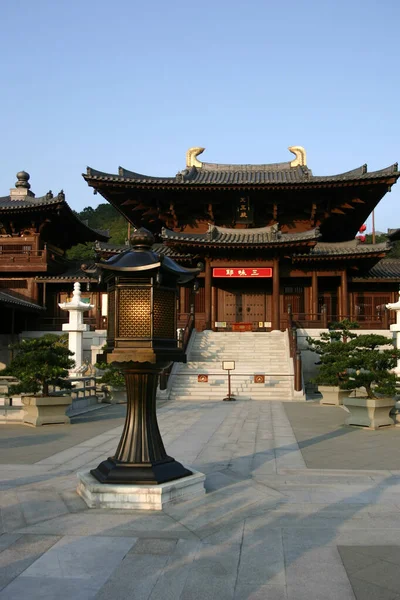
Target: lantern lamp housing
x,y
142,303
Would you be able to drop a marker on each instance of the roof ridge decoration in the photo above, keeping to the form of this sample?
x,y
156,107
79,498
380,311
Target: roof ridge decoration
x,y
191,157
195,151
300,154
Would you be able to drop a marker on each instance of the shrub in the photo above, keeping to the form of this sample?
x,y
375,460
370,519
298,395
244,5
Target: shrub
x,y
39,363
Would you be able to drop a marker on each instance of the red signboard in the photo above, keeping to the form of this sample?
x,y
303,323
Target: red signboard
x,y
243,272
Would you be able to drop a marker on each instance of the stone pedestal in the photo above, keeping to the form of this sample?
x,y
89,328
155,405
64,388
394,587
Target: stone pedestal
x,y
139,496
369,412
46,410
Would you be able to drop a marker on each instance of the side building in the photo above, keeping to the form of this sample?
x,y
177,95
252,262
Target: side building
x,y
270,239
35,275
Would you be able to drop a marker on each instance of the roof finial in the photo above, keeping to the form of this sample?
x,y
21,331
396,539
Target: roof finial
x,y
191,157
301,158
23,179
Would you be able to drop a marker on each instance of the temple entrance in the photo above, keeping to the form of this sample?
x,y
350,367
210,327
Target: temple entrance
x,y
240,306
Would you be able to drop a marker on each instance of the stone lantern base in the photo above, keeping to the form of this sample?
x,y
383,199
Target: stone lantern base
x,y
139,497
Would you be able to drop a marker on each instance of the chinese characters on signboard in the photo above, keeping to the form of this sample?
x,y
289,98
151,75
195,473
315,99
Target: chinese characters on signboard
x,y
249,272
244,210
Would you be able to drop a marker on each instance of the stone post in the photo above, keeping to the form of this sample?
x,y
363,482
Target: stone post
x,y
76,326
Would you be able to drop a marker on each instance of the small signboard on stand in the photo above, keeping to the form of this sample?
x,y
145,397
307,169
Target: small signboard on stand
x,y
228,365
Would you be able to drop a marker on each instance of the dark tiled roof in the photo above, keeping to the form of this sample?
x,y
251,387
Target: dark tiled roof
x,y
249,237
110,247
73,272
351,247
9,299
160,248
386,268
241,175
29,202
394,234
10,203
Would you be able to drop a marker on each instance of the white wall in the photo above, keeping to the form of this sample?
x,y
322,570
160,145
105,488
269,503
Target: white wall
x,y
310,358
90,338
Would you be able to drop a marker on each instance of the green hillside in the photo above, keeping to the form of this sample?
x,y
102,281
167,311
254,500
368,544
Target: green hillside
x,y
104,217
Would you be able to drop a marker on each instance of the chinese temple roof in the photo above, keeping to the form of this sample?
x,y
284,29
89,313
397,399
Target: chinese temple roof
x,y
10,300
394,234
222,236
198,174
385,269
72,272
22,202
345,249
109,248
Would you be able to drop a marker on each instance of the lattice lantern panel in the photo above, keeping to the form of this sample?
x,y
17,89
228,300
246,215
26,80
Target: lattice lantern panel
x,y
111,315
134,318
164,314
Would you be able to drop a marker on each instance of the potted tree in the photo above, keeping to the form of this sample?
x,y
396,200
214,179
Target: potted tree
x,y
333,350
113,382
38,364
371,361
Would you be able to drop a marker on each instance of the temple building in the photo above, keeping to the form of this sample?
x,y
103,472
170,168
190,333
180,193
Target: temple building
x,y
270,239
35,275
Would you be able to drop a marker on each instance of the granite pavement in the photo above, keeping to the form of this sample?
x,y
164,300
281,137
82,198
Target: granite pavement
x,y
287,514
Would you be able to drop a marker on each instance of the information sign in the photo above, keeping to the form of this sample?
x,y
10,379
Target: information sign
x,y
247,272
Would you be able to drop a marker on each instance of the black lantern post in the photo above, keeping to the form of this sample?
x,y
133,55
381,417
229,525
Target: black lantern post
x,y
142,340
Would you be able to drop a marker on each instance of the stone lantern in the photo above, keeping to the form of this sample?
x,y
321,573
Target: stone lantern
x,y
142,341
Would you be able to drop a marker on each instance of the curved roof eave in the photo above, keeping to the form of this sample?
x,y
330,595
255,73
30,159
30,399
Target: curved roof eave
x,y
198,177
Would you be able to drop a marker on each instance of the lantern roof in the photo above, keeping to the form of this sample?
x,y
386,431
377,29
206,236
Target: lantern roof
x,y
140,257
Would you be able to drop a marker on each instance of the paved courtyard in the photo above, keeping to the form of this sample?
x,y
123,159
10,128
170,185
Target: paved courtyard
x,y
297,507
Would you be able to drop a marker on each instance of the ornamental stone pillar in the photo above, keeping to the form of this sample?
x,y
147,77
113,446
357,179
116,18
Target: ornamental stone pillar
x,y
76,326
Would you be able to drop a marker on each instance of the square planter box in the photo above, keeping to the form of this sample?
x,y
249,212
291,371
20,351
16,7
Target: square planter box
x,y
332,394
114,395
46,410
369,412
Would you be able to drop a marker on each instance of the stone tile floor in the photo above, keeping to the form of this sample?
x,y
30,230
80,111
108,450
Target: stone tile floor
x,y
274,524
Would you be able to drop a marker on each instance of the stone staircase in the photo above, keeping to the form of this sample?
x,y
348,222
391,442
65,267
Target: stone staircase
x,y
264,353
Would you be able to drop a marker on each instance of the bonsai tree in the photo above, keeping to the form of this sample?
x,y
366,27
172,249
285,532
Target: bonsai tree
x,y
333,350
39,363
370,365
111,376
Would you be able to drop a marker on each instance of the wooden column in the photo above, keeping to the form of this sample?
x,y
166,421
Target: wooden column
x,y
339,303
182,307
351,306
207,292
345,296
276,313
213,306
314,296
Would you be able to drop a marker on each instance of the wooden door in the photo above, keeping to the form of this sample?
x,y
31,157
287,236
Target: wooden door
x,y
330,301
231,309
253,308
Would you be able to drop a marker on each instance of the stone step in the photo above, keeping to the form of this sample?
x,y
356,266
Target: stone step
x,y
254,353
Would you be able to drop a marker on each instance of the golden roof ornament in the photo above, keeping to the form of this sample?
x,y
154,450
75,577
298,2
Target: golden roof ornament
x,y
191,157
300,154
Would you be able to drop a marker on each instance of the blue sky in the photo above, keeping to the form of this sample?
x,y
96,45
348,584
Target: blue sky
x,y
136,84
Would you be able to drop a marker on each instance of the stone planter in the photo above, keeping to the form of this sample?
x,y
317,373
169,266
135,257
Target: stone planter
x,y
369,412
46,410
114,395
332,394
